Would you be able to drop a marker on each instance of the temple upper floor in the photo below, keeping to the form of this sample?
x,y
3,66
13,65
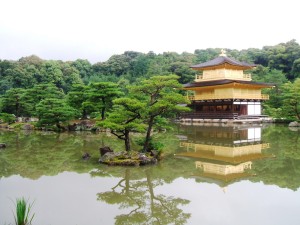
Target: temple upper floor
x,y
222,73
222,67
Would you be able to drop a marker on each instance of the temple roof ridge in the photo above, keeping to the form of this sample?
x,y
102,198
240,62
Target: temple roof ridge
x,y
226,81
222,59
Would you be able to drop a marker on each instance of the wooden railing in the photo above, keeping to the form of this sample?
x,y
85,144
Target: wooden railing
x,y
247,76
199,77
224,76
228,96
212,115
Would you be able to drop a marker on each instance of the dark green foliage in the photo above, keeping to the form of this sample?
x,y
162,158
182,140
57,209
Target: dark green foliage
x,y
161,98
149,102
53,111
39,92
22,102
5,84
100,95
183,70
291,99
277,64
132,65
272,107
296,68
153,144
76,98
71,77
12,102
31,70
7,118
125,118
206,55
5,79
84,67
281,57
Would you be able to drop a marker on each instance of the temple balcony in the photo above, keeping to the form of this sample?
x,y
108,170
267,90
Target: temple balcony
x,y
223,169
220,76
227,151
228,96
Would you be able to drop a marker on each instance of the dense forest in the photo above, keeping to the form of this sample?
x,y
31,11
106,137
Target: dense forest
x,y
30,85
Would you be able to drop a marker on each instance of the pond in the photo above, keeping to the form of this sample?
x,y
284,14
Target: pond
x,y
209,175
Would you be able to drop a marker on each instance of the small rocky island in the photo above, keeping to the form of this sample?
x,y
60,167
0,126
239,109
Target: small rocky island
x,y
132,158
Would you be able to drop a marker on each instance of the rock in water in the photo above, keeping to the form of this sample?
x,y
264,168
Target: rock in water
x,y
104,150
107,157
127,159
145,160
86,156
2,145
294,124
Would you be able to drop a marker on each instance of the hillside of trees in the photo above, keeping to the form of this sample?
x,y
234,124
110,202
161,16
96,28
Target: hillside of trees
x,y
29,84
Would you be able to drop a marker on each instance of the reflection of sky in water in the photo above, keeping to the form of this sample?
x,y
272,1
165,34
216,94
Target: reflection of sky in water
x,y
68,198
240,203
71,198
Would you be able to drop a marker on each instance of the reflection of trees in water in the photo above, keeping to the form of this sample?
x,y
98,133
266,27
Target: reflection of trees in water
x,y
34,154
284,169
146,206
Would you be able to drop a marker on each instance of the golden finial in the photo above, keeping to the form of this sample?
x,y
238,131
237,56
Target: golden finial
x,y
223,52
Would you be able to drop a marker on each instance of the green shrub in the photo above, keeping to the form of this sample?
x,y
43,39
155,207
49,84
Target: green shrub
x,y
284,120
7,118
153,145
23,210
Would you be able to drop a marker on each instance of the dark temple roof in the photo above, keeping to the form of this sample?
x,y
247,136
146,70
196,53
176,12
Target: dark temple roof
x,y
222,60
225,81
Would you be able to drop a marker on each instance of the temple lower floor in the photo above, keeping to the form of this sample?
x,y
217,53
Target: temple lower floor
x,y
239,107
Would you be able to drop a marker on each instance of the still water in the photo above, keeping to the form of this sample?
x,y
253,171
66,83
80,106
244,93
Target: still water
x,y
210,175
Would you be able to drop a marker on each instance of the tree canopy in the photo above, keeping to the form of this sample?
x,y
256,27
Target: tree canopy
x,y
91,88
160,97
126,117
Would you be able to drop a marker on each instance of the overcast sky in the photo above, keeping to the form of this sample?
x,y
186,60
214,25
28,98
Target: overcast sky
x,y
97,29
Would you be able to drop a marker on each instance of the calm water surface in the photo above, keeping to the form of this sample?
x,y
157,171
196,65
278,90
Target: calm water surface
x,y
210,175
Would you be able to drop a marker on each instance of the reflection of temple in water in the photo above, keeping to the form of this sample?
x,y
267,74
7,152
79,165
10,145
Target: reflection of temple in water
x,y
223,153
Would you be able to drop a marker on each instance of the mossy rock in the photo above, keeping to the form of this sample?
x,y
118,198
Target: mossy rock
x,y
127,159
123,162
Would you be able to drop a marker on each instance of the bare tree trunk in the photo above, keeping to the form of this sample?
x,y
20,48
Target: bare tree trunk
x,y
103,109
148,135
84,114
103,113
127,140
